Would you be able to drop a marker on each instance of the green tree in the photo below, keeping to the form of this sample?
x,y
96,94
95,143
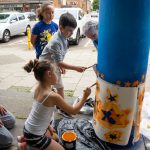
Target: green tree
x,y
95,5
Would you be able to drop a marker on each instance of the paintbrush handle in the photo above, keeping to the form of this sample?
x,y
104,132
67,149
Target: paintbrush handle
x,y
92,85
90,66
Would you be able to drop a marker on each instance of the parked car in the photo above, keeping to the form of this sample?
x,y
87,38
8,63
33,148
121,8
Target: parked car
x,y
79,16
94,14
30,15
12,23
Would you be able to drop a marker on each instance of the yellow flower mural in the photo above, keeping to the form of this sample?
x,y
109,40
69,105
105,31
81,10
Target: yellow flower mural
x,y
138,118
135,83
109,114
111,97
113,136
127,84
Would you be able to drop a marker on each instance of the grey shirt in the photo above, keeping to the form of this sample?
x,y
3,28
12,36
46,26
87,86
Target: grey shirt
x,y
56,49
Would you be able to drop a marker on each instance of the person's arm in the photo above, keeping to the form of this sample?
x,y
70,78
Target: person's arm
x,y
1,124
2,110
33,39
60,102
35,32
57,56
71,67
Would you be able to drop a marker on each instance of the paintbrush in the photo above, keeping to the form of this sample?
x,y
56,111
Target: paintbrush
x,y
90,66
92,85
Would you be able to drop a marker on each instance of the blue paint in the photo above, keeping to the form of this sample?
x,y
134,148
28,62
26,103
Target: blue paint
x,y
149,57
124,39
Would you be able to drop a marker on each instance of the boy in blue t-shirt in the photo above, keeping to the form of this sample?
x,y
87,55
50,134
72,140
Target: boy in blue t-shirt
x,y
44,29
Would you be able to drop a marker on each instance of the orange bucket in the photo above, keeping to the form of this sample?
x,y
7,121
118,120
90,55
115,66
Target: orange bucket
x,y
69,140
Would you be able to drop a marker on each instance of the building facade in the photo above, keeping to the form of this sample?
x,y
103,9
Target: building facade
x,y
21,5
83,4
31,5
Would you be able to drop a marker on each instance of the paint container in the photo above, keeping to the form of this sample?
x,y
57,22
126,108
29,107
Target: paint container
x,y
69,140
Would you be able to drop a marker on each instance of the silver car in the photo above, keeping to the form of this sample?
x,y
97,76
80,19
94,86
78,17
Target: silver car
x,y
12,23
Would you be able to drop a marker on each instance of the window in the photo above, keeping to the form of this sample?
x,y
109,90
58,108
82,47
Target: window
x,y
14,17
21,16
4,18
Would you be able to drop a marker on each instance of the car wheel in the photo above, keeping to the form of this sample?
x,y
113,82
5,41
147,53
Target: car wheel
x,y
6,36
77,37
26,30
83,36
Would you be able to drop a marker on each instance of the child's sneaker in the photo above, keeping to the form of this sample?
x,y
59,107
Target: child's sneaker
x,y
23,146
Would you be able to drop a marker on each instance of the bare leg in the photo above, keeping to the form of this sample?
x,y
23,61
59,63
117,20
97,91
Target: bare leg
x,y
54,136
54,146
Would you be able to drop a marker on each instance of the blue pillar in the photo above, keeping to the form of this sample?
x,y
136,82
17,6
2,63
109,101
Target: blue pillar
x,y
124,42
124,39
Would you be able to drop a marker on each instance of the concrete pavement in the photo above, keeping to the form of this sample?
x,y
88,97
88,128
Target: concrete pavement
x,y
13,57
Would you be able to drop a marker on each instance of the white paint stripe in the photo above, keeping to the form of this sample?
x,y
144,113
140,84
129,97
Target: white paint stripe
x,y
87,43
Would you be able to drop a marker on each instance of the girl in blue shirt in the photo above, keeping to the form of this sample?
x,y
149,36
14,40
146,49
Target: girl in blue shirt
x,y
44,29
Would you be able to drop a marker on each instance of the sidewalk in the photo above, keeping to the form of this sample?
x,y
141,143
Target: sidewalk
x,y
13,77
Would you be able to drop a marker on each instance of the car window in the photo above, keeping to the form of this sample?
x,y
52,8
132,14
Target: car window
x,y
14,17
21,16
4,18
59,12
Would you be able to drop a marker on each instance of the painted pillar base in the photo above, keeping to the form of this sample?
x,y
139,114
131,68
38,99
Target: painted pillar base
x,y
116,117
140,145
